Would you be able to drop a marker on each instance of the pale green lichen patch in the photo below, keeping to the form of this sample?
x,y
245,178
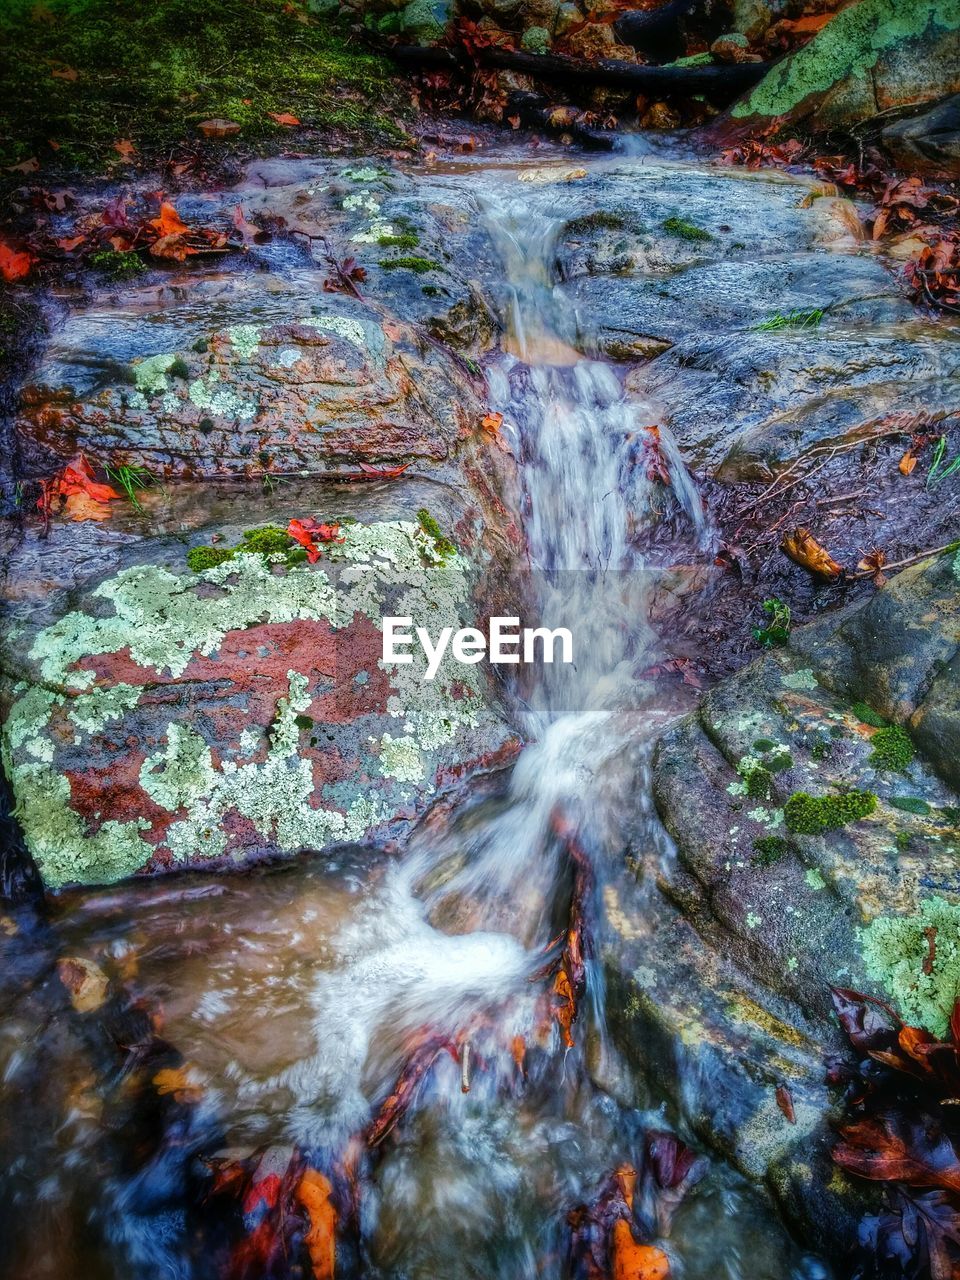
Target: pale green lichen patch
x,y
214,396
848,46
897,952
245,340
400,758
150,374
802,679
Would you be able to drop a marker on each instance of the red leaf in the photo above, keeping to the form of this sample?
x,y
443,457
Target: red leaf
x,y
125,149
14,265
284,118
382,473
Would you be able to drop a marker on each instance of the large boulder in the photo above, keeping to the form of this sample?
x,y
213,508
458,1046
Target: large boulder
x,y
742,923
873,56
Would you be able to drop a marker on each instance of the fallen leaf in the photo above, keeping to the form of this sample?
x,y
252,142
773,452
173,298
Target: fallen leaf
x,y
14,264
785,1103
78,477
174,247
382,473
632,1261
803,549
85,981
80,506
308,532
218,128
283,117
125,149
63,73
908,462
69,243
872,563
168,221
179,1082
492,423
313,1194
26,166
250,233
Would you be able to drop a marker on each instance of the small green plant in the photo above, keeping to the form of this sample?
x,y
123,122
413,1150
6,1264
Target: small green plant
x,y
418,265
130,479
685,230
768,850
759,782
910,804
892,748
867,715
938,472
119,266
444,546
777,630
792,320
201,558
809,815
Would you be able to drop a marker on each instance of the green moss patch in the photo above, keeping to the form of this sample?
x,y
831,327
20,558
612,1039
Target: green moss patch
x,y
892,748
444,546
910,804
149,73
685,230
269,540
418,265
867,715
809,815
769,850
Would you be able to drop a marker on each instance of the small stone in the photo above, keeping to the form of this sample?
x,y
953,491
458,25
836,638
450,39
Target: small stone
x,y
660,116
733,47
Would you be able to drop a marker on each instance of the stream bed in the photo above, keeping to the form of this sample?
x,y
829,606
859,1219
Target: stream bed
x,y
269,1019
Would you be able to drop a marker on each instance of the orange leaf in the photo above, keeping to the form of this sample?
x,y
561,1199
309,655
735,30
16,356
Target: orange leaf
x,y
77,477
908,462
125,149
632,1261
178,1081
168,222
313,1193
80,506
27,166
13,264
69,243
173,246
283,117
492,423
803,549
63,73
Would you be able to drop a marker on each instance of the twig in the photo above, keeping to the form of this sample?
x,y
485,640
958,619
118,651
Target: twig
x,y
903,564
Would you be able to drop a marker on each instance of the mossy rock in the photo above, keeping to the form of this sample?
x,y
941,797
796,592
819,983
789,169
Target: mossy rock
x,y
873,56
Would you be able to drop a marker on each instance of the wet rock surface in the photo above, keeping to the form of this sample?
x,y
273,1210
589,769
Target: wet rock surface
x,y
757,915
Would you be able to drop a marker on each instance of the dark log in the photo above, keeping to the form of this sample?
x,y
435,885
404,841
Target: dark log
x,y
726,81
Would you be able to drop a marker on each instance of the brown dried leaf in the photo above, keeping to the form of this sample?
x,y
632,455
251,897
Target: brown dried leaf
x,y
803,549
85,981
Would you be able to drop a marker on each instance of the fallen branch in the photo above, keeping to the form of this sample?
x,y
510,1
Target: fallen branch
x,y
728,80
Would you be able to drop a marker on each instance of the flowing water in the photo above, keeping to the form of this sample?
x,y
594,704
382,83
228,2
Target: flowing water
x,y
300,996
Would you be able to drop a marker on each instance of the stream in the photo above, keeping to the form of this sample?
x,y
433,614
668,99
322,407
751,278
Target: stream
x,y
299,995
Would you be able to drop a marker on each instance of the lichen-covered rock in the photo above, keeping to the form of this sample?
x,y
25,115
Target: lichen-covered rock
x,y
871,57
729,961
311,391
174,718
